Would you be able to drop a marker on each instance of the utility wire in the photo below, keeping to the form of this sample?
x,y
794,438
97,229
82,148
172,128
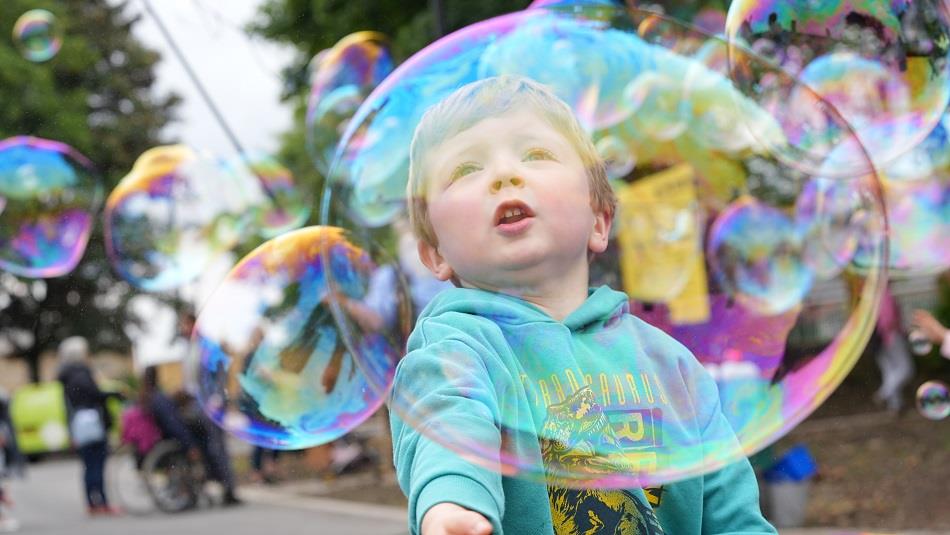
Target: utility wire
x,y
219,117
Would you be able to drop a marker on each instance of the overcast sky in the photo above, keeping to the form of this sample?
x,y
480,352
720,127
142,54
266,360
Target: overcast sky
x,y
241,74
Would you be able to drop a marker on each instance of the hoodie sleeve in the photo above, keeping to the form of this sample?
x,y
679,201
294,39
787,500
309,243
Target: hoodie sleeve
x,y
443,395
730,494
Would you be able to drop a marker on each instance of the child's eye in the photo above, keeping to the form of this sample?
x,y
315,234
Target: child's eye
x,y
462,170
539,154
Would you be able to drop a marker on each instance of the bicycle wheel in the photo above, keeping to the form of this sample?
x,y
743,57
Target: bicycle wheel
x,y
170,478
126,483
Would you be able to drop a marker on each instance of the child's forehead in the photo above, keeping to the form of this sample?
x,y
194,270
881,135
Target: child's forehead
x,y
501,129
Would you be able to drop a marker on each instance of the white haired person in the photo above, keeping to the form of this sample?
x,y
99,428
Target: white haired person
x,y
89,421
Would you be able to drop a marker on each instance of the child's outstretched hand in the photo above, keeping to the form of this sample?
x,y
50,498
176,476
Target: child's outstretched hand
x,y
451,519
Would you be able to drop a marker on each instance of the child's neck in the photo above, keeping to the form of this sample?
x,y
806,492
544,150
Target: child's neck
x,y
559,305
558,297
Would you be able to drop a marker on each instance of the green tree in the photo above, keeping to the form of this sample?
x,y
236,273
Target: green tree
x,y
95,95
314,25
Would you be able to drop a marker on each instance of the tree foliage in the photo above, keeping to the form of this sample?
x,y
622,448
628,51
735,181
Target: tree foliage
x,y
95,95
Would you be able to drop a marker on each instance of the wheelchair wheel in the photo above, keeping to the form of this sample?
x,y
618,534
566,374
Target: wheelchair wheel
x,y
171,477
126,483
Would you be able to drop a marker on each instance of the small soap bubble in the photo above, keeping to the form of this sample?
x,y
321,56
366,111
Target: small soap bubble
x,y
342,77
920,343
175,212
755,252
933,400
37,35
831,216
618,157
49,195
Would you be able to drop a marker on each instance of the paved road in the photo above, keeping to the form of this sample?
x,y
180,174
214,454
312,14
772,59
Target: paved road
x,y
48,502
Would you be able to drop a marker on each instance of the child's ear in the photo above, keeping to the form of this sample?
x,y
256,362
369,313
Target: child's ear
x,y
429,254
601,232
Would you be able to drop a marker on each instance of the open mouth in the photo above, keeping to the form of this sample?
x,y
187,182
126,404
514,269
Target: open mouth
x,y
510,212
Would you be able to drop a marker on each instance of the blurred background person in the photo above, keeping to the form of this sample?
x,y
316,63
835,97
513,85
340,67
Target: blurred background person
x,y
264,465
931,328
181,419
10,462
893,357
89,421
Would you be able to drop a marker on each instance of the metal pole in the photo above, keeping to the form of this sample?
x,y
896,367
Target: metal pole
x,y
438,17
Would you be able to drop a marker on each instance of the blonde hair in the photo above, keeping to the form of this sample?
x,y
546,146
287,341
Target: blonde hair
x,y
487,98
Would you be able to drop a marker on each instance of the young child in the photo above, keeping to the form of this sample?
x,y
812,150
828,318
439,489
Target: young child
x,y
509,200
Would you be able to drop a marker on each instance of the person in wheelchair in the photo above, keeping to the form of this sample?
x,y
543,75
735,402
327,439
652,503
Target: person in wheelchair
x,y
182,420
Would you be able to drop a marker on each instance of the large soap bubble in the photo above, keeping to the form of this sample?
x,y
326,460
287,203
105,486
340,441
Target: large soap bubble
x,y
882,66
342,78
688,175
37,35
171,215
49,194
273,367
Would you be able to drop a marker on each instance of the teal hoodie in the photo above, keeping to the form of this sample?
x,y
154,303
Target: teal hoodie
x,y
487,374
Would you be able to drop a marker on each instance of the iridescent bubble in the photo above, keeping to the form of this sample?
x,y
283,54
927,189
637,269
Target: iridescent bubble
x,y
594,53
659,234
49,194
920,343
274,368
657,105
171,215
831,216
918,213
882,66
755,251
342,78
37,35
280,205
618,157
933,400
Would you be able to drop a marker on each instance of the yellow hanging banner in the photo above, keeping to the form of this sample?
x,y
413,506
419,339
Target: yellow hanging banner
x,y
659,232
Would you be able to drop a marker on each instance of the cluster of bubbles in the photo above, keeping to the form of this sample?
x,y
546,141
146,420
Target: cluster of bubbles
x,y
49,195
881,66
752,168
725,229
178,209
37,35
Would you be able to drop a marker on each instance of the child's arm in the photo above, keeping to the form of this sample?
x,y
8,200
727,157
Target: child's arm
x,y
444,388
730,494
731,502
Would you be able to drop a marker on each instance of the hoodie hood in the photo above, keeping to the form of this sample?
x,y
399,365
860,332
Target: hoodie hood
x,y
603,306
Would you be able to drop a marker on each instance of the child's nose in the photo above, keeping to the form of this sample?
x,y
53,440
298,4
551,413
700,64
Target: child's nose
x,y
511,181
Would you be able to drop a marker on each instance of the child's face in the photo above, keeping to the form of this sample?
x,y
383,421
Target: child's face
x,y
509,202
